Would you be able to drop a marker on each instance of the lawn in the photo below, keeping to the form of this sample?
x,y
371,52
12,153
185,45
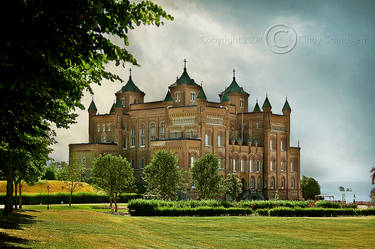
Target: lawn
x,y
88,226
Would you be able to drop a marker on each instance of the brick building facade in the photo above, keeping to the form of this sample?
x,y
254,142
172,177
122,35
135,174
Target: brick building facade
x,y
255,145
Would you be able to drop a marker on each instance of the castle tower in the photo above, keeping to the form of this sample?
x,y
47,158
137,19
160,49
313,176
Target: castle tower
x,y
92,112
129,94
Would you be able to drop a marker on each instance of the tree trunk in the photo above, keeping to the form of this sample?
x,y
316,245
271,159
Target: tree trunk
x,y
70,198
110,199
115,200
15,195
9,193
20,195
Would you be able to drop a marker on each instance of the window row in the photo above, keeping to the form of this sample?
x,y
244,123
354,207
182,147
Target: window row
x,y
208,140
282,184
273,144
282,166
103,127
255,166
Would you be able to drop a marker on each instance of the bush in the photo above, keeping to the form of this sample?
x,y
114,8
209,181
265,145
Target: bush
x,y
262,211
312,212
327,204
201,211
349,205
272,204
78,197
368,211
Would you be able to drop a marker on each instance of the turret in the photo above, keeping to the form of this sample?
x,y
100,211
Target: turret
x,y
286,108
257,108
168,97
92,108
225,99
129,94
92,112
201,96
267,107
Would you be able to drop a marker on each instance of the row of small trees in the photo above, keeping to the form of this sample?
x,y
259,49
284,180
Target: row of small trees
x,y
163,177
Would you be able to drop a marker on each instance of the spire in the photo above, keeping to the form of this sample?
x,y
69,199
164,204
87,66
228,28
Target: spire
x,y
225,98
266,103
201,94
185,64
234,74
92,106
112,108
286,106
168,97
257,108
234,87
130,73
185,78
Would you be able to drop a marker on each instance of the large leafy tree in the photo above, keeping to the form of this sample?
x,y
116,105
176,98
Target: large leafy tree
x,y
232,186
162,176
205,176
113,174
310,187
50,53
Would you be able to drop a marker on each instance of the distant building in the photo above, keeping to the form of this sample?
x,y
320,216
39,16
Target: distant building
x,y
255,145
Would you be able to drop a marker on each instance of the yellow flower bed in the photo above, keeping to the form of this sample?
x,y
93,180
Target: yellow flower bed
x,y
55,187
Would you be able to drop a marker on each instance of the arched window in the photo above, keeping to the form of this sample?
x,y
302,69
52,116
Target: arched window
x,y
283,183
252,183
272,185
251,165
132,137
282,166
243,165
152,131
259,183
292,184
162,130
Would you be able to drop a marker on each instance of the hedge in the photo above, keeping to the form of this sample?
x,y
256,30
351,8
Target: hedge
x,y
262,211
327,204
272,204
201,211
312,212
78,197
368,211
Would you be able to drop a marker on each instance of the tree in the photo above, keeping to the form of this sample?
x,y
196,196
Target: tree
x,y
205,176
232,186
310,188
113,174
68,45
162,176
73,175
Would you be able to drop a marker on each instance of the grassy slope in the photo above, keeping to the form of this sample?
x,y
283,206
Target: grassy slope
x,y
55,187
82,227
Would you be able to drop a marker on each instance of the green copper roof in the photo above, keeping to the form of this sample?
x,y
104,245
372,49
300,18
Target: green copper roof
x,y
257,108
112,108
286,106
92,106
201,94
118,103
225,98
130,86
185,79
234,88
168,97
266,103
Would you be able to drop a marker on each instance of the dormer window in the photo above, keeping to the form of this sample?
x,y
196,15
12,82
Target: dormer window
x,y
192,96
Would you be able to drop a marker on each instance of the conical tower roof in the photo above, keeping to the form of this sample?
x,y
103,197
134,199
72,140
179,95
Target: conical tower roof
x,y
286,106
130,86
266,103
225,98
168,97
257,108
92,106
201,94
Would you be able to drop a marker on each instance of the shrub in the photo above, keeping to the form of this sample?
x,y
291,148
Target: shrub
x,y
327,204
272,204
262,211
349,205
78,197
368,211
312,212
201,211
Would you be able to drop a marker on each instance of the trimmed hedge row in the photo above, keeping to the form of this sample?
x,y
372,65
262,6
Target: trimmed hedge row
x,y
273,204
78,197
327,204
201,211
314,212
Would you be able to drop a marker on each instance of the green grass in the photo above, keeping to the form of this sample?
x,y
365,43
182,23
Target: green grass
x,y
90,226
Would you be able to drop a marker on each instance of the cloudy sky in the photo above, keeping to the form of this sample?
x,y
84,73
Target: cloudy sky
x,y
321,54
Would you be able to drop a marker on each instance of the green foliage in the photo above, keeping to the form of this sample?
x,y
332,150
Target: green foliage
x,y
78,197
162,176
262,211
201,211
327,204
312,212
255,205
310,188
368,211
113,174
205,176
50,174
232,186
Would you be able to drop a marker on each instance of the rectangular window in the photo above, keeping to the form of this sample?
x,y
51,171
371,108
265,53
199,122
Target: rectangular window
x,y
282,145
291,167
125,143
132,163
258,166
272,166
234,165
98,126
242,103
192,96
142,163
243,168
191,161
103,127
218,141
206,140
132,142
251,166
282,166
178,97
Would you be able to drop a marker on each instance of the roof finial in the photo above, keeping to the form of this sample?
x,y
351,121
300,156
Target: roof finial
x,y
92,97
266,95
185,64
257,100
201,83
130,72
234,73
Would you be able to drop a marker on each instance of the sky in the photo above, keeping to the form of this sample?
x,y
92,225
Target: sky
x,y
318,54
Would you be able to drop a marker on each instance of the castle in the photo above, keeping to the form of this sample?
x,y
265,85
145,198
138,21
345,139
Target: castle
x,y
255,145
